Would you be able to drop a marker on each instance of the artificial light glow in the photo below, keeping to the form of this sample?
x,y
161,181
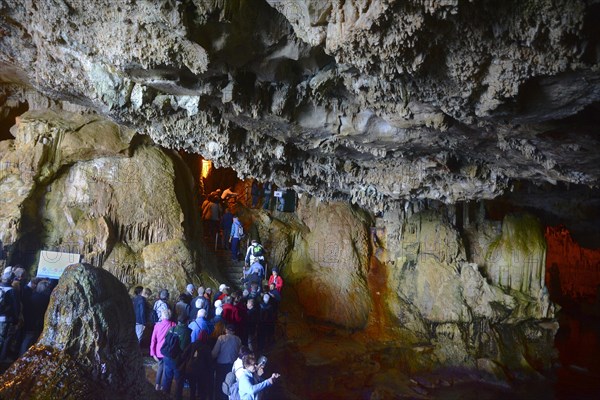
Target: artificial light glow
x,y
206,167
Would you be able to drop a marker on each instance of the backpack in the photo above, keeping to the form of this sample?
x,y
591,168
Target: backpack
x,y
240,231
194,363
171,347
257,250
230,386
154,316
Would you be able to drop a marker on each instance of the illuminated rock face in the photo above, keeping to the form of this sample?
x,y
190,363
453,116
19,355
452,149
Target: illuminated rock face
x,y
409,278
88,348
375,101
572,272
76,183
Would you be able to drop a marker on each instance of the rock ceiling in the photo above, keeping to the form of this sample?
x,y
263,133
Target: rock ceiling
x,y
371,101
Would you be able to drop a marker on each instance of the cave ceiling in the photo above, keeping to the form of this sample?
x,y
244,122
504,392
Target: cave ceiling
x,y
368,101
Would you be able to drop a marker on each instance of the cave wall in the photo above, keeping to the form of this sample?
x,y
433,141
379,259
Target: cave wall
x,y
79,183
410,276
572,271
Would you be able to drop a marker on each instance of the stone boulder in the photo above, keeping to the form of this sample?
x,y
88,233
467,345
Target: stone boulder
x,y
88,348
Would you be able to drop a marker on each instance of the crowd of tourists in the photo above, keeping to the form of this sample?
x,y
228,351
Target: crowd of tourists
x,y
198,338
23,304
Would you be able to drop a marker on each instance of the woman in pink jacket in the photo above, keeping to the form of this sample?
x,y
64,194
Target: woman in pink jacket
x,y
158,338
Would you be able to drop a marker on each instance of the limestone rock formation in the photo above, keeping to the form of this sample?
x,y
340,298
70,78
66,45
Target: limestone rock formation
x,y
373,101
408,277
88,348
81,184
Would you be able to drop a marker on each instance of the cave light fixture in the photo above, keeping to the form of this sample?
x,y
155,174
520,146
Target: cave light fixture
x,y
206,167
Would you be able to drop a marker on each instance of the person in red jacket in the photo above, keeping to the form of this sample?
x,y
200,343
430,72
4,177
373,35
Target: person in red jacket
x,y
276,279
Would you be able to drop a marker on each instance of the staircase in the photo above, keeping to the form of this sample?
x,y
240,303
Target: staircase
x,y
231,271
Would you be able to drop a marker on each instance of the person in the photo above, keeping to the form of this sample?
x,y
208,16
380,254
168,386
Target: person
x,y
199,324
225,352
268,318
218,313
249,386
235,236
9,312
230,311
255,274
195,366
209,308
222,288
182,307
170,364
226,222
34,310
228,193
159,334
197,303
238,364
212,214
275,295
189,292
255,192
252,321
281,201
162,303
276,279
267,189
140,308
255,252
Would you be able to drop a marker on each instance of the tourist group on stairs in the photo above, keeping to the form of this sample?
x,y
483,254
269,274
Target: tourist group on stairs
x,y
198,339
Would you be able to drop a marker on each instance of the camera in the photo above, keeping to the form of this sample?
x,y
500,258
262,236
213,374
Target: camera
x,y
262,361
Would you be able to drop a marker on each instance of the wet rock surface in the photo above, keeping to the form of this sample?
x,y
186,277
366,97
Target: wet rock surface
x,y
88,348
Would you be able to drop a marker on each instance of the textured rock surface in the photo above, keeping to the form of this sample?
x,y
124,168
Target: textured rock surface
x,y
573,271
77,183
88,348
369,101
408,278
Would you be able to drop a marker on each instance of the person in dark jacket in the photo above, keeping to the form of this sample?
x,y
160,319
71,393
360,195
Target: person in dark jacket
x,y
9,312
268,318
140,307
195,365
226,222
34,310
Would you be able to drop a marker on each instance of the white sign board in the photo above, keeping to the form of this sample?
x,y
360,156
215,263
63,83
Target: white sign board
x,y
277,193
52,263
